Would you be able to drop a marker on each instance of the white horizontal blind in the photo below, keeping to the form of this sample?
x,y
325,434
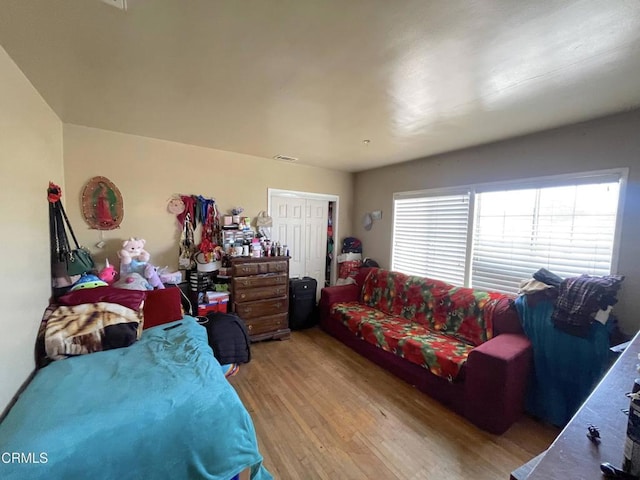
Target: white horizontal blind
x,y
430,236
569,230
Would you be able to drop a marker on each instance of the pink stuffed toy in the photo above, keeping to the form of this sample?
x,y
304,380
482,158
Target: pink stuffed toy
x,y
108,273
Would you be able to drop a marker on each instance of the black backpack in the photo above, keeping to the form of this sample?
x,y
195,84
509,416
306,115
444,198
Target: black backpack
x,y
228,337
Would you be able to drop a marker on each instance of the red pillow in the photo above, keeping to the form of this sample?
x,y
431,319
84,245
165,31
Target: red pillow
x,y
127,298
162,306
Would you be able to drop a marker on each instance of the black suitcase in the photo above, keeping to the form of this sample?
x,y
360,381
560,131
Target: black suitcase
x,y
302,303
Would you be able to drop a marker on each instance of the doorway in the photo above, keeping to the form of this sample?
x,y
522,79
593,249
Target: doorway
x,y
302,221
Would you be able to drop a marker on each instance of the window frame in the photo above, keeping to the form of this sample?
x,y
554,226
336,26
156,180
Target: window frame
x,y
579,178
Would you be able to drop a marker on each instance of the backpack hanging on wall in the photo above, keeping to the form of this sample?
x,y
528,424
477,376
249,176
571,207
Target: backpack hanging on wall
x,y
228,338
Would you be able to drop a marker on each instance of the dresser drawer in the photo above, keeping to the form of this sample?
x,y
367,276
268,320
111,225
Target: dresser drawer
x,y
249,294
260,281
257,268
267,324
261,308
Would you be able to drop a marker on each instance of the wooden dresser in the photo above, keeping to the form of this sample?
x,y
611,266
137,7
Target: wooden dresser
x,y
260,295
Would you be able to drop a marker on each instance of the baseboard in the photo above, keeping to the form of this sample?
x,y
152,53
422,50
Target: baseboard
x,y
13,401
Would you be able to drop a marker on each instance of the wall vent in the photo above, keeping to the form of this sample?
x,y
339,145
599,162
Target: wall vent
x,y
285,158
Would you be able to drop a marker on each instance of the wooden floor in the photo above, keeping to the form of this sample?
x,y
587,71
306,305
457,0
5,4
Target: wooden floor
x,y
321,411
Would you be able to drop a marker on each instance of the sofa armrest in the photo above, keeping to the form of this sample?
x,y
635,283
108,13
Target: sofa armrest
x,y
496,380
336,294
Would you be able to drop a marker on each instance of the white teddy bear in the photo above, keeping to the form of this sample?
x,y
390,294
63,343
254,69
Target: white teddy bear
x,y
133,249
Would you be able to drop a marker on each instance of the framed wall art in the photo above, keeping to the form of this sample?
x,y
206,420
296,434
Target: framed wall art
x,y
102,205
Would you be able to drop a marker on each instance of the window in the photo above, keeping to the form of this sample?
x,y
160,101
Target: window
x,y
494,236
430,236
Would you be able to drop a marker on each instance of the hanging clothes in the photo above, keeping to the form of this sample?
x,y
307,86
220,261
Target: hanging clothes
x,y
186,259
565,367
580,298
210,230
189,209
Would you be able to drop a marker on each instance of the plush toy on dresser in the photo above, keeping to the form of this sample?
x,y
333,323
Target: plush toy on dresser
x,y
134,260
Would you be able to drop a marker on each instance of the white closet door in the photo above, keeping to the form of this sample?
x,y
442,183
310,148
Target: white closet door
x,y
301,224
288,216
316,216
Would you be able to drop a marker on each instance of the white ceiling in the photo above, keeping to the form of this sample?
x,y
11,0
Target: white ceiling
x,y
314,78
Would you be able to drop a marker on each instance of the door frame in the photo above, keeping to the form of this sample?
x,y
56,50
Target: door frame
x,y
276,192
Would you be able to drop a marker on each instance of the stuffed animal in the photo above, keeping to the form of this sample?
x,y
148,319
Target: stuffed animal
x,y
152,277
135,259
108,273
133,281
87,280
133,249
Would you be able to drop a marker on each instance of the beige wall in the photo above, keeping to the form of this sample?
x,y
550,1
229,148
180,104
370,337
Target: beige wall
x,y
148,171
605,143
30,155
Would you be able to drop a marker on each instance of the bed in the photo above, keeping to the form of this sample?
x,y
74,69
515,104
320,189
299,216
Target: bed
x,y
160,408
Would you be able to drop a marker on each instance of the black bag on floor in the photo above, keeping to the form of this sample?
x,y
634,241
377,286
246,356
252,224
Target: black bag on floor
x,y
302,303
228,337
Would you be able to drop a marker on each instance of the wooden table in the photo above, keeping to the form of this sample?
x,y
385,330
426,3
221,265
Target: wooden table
x,y
572,455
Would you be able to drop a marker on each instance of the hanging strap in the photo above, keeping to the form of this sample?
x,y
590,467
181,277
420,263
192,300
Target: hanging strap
x,y
54,240
66,219
58,234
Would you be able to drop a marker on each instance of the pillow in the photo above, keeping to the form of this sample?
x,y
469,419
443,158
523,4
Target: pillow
x,y
127,298
162,306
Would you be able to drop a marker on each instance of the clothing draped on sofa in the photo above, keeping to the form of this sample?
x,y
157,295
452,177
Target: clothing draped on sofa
x,y
565,367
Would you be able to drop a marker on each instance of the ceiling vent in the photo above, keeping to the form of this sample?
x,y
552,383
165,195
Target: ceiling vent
x,y
285,158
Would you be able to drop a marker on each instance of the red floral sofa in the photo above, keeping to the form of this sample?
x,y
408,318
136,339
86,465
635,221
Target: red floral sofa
x,y
462,346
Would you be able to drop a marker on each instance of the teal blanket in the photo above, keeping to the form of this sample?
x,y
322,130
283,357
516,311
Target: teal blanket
x,y
158,409
565,367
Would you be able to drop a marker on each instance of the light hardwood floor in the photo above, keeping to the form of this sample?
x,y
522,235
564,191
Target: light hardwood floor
x,y
322,411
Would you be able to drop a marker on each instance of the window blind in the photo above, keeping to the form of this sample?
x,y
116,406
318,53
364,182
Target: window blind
x,y
430,236
569,230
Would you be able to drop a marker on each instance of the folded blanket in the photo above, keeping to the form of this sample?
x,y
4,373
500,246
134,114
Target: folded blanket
x,y
90,327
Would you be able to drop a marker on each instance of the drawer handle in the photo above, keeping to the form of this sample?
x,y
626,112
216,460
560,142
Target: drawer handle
x,y
250,327
247,309
243,295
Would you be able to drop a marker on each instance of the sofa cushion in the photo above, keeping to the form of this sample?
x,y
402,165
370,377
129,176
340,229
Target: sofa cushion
x,y
441,354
